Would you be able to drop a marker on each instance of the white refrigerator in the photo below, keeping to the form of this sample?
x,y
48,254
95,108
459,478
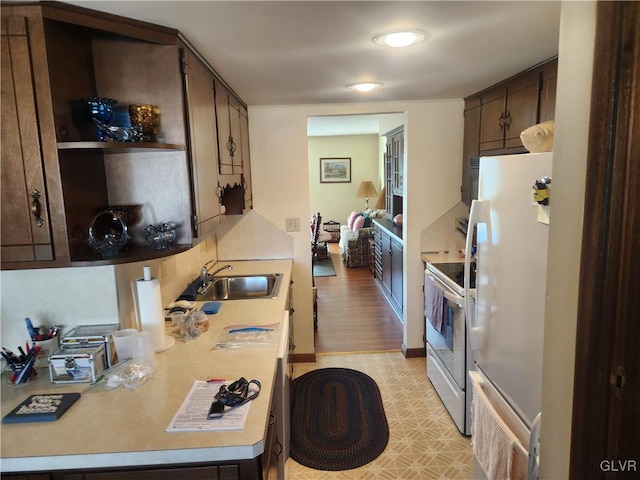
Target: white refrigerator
x,y
506,315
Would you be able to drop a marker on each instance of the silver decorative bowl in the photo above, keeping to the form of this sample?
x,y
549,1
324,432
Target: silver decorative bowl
x,y
162,237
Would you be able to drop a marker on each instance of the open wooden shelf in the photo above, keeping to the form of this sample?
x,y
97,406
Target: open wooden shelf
x,y
119,147
131,253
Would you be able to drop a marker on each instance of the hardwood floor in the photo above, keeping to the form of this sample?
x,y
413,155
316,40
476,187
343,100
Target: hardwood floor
x,y
353,315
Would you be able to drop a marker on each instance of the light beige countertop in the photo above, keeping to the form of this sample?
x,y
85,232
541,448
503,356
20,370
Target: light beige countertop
x,y
127,427
437,257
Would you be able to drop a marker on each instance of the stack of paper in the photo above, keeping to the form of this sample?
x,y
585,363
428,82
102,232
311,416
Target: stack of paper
x,y
192,415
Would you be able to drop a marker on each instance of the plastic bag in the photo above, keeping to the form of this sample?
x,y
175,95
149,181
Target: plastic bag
x,y
242,336
126,374
194,325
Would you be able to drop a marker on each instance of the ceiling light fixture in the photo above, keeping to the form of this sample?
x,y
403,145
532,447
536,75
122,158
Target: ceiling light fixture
x,y
399,38
365,86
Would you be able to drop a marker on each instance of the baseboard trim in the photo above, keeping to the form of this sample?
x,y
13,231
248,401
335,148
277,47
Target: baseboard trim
x,y
302,358
311,357
359,352
413,352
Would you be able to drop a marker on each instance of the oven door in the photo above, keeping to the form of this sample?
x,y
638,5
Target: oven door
x,y
449,344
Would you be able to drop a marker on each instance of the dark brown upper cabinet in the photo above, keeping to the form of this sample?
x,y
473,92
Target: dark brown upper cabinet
x,y
494,118
506,111
57,177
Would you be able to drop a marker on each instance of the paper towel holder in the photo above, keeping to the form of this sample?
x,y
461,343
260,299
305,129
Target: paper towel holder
x,y
169,341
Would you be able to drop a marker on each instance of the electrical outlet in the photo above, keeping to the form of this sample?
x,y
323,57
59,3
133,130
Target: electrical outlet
x,y
293,224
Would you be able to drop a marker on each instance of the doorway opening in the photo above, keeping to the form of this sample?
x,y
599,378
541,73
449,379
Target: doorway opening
x,y
353,314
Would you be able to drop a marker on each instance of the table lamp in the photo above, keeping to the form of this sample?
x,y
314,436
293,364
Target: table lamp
x,y
366,191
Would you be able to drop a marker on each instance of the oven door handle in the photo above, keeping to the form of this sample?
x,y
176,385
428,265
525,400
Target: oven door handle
x,y
451,297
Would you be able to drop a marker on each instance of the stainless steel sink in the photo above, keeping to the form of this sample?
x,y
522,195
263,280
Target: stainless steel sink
x,y
240,287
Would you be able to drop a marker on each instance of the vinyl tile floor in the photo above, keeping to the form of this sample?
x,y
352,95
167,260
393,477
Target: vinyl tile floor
x,y
424,443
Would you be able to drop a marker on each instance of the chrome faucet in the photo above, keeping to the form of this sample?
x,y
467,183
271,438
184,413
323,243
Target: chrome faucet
x,y
205,276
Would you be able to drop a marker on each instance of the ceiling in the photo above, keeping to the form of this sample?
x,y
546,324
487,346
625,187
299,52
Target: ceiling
x,y
306,52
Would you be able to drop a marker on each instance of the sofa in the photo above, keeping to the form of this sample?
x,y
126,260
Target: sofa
x,y
354,237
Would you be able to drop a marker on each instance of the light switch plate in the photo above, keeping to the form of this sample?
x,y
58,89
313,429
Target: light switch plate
x,y
293,224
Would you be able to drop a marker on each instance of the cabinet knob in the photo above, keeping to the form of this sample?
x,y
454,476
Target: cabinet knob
x,y
35,208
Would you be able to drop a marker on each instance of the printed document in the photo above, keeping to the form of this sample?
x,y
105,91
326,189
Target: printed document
x,y
192,415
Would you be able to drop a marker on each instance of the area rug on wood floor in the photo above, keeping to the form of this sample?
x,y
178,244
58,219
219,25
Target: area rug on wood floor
x,y
337,419
324,268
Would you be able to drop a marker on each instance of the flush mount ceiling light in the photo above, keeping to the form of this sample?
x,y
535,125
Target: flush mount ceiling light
x,y
365,86
399,38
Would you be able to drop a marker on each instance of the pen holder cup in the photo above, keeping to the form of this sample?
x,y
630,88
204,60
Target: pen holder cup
x,y
17,378
47,347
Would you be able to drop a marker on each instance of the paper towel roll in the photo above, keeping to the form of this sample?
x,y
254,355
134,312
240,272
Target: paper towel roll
x,y
150,313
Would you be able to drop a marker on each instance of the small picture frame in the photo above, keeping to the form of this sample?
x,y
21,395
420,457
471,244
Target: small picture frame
x,y
335,170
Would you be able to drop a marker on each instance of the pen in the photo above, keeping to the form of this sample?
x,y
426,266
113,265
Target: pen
x,y
216,380
26,368
10,355
33,332
10,362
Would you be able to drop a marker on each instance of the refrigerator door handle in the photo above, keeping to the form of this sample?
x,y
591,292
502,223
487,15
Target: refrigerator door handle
x,y
497,423
479,213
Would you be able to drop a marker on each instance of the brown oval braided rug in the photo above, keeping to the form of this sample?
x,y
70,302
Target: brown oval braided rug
x,y
337,419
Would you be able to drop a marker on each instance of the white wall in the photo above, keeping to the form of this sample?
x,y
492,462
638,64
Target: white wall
x,y
335,201
74,296
279,152
66,297
575,64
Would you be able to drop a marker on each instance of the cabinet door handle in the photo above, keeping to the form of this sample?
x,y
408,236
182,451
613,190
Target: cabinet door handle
x,y
272,418
231,146
501,121
35,207
277,448
507,120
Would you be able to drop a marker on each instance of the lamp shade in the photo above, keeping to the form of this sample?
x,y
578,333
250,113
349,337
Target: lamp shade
x,y
366,190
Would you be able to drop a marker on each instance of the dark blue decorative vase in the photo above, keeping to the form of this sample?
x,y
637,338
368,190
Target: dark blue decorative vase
x,y
101,110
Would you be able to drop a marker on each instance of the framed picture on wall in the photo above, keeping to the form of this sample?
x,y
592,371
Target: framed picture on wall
x,y
335,170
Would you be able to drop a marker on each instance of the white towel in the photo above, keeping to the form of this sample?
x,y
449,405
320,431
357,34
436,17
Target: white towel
x,y
538,138
497,449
